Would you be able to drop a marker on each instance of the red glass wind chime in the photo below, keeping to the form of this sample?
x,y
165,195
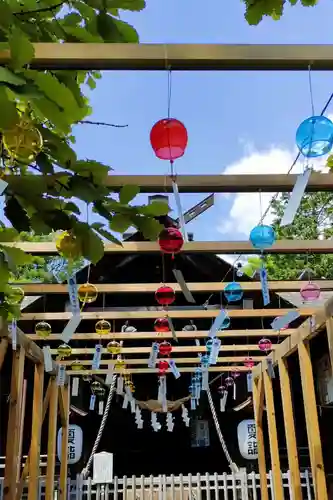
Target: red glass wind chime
x,y
168,139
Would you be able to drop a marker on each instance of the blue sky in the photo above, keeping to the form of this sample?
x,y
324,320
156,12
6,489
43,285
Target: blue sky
x,y
237,122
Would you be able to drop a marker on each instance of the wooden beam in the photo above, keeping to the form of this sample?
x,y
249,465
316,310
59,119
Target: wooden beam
x,y
308,329
25,470
62,405
290,431
258,406
64,442
312,423
329,333
52,441
3,350
37,420
179,361
273,438
14,421
215,247
153,335
183,57
175,349
213,286
172,313
182,369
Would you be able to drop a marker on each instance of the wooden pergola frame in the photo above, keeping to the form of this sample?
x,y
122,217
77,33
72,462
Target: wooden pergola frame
x,y
298,341
54,400
197,58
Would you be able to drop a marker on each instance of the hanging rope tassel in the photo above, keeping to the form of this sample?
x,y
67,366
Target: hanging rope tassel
x,y
86,469
232,465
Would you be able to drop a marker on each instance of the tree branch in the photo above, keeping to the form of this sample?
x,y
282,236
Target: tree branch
x,y
43,9
102,124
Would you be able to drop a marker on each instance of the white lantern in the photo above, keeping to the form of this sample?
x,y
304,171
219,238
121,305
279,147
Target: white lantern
x,y
75,443
247,439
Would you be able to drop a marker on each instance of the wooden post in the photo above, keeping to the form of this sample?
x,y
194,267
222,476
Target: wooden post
x,y
13,429
37,421
25,471
289,427
312,423
3,350
273,438
258,404
64,416
52,440
23,406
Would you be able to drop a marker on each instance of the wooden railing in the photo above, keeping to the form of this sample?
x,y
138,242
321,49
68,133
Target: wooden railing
x,y
240,486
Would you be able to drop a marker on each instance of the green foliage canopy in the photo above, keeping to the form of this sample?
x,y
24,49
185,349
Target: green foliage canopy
x,y
314,219
45,195
256,10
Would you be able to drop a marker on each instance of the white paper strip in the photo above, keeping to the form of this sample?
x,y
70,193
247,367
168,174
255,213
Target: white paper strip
x,y
13,330
264,286
295,198
120,385
61,375
172,329
92,402
97,357
75,386
284,321
100,407
173,368
109,375
70,328
3,185
249,382
48,365
223,401
214,352
153,355
126,401
179,210
217,324
270,369
184,288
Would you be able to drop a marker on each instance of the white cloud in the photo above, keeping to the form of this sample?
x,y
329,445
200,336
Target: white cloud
x,y
247,209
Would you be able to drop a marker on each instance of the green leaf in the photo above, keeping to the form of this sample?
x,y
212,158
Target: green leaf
x,y
150,228
49,110
16,215
84,190
82,35
156,208
91,169
120,223
114,30
128,193
8,115
7,76
21,49
4,273
103,232
16,257
91,243
133,5
45,165
8,234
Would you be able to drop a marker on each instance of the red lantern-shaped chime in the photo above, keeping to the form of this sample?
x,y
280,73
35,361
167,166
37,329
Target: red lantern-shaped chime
x,y
165,295
265,345
162,367
161,325
249,363
165,349
168,138
170,240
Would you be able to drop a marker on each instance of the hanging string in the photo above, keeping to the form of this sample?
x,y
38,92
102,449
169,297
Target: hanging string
x,y
310,89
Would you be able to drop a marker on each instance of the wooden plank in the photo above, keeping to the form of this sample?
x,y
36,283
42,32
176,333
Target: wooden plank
x,y
14,421
64,443
273,438
185,313
213,286
52,441
312,423
215,247
308,329
3,350
175,349
329,333
258,406
62,405
198,334
25,470
182,369
179,361
289,427
37,420
184,57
